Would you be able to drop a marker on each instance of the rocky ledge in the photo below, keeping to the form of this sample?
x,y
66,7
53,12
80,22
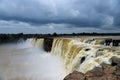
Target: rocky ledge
x,y
106,72
48,44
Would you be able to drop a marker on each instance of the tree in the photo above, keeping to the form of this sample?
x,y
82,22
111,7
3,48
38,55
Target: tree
x,y
54,34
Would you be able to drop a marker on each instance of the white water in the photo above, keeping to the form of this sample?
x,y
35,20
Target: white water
x,y
28,61
82,54
24,62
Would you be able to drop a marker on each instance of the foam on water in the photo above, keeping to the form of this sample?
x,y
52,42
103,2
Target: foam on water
x,y
24,62
83,54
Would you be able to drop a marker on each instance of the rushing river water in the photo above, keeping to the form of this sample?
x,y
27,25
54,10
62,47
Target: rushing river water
x,y
28,61
22,61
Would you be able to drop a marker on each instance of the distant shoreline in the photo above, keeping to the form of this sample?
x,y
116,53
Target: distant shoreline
x,y
21,35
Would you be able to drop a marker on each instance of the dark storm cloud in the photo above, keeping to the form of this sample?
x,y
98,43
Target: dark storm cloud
x,y
102,14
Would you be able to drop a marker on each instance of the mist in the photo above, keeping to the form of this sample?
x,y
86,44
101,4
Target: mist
x,y
22,61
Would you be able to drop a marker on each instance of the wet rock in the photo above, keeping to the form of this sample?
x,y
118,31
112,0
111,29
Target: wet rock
x,y
116,42
75,76
118,71
106,72
95,72
87,49
48,44
108,69
103,73
99,53
82,59
108,41
115,60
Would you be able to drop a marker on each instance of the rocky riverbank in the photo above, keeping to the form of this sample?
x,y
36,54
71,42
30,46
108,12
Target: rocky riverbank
x,y
106,72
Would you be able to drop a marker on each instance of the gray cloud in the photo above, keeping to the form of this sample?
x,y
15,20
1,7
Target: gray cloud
x,y
94,14
18,27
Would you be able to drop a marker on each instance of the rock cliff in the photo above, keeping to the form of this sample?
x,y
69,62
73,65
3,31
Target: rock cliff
x,y
106,72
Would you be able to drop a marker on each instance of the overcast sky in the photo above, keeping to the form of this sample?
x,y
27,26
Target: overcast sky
x,y
61,16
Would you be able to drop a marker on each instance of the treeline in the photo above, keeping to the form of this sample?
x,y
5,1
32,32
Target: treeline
x,y
21,35
73,34
4,38
87,34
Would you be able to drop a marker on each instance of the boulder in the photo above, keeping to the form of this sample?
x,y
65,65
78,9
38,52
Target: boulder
x,y
115,60
75,76
106,72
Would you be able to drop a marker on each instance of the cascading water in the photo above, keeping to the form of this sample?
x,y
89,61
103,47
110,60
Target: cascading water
x,y
27,61
83,54
36,42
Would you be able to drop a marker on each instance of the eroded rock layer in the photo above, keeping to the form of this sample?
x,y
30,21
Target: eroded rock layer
x,y
105,72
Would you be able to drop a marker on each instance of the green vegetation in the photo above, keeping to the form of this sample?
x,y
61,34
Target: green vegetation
x,y
5,38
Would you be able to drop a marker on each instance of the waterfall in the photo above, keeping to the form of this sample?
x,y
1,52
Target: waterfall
x,y
27,61
35,42
82,54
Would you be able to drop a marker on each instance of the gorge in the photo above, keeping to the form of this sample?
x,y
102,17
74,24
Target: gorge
x,y
55,58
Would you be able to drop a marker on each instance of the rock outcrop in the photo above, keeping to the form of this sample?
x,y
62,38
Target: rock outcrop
x,y
48,44
75,76
106,72
113,41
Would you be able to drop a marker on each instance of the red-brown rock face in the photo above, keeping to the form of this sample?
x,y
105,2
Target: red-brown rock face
x,y
106,72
